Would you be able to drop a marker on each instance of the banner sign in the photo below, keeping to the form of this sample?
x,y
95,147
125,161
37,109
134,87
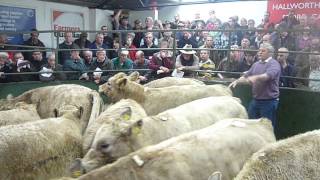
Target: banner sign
x,y
67,21
280,8
17,19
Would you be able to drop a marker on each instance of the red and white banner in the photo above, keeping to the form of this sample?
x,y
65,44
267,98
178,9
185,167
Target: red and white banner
x,y
280,8
67,21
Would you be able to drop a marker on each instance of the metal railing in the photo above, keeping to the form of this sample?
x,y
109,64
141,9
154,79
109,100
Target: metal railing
x,y
23,48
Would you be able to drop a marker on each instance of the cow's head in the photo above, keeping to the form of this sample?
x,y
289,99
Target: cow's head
x,y
122,88
69,111
112,141
114,87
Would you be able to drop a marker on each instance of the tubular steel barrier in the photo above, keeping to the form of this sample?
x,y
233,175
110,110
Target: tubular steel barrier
x,y
174,49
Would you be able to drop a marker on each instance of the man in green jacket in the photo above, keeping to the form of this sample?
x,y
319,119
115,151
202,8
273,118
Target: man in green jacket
x,y
74,63
122,61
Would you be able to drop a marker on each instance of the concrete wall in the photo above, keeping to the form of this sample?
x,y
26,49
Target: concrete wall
x,y
98,18
247,9
95,18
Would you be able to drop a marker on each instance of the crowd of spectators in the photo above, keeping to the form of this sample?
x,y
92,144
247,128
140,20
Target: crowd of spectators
x,y
223,46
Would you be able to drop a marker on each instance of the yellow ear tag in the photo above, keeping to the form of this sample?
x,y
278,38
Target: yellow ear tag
x,y
136,130
126,117
206,65
76,174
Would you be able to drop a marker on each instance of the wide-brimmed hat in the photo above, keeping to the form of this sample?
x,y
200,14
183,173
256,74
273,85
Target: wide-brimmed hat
x,y
187,49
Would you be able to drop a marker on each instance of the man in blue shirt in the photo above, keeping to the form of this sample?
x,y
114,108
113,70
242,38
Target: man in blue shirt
x,y
264,77
97,44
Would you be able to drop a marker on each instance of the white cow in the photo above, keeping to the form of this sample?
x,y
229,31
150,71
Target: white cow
x,y
172,81
223,147
156,100
117,139
297,157
50,98
20,114
41,149
163,82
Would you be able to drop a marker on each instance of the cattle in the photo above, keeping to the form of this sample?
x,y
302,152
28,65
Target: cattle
x,y
125,109
156,100
166,81
49,98
41,149
172,81
120,138
294,158
20,114
223,147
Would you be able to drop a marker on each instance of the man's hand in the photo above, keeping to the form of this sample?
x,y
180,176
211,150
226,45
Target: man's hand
x,y
241,80
164,69
142,78
97,81
233,84
97,76
1,74
252,79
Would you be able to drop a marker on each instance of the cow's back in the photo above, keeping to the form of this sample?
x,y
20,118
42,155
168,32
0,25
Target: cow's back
x,y
158,100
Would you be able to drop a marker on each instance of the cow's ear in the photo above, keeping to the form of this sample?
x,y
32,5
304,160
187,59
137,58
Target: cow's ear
x,y
215,176
134,76
126,114
136,128
55,112
81,110
139,123
132,130
119,75
122,82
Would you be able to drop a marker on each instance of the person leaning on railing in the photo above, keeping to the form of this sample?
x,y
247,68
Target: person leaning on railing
x,y
101,62
205,63
161,62
48,69
142,63
122,61
21,65
5,67
75,63
187,60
